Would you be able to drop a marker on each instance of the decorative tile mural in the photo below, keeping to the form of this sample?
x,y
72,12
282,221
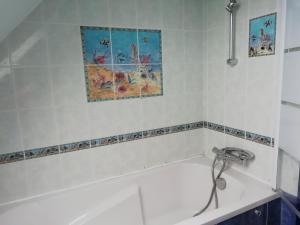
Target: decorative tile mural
x,y
121,63
262,35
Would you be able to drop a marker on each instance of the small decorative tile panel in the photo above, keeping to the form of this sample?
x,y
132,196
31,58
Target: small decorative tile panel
x,y
121,63
262,35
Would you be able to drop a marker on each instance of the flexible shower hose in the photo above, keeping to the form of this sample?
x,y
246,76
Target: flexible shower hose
x,y
214,188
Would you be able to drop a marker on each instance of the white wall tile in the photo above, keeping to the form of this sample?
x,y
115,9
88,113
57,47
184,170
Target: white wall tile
x,y
106,161
176,149
10,137
216,44
94,12
28,45
4,55
289,130
33,87
172,46
153,113
292,18
291,78
76,168
13,182
7,93
172,13
44,174
261,95
259,8
69,88
288,173
216,16
195,47
61,11
149,14
235,95
37,14
38,128
119,117
194,143
73,124
195,14
123,13
64,44
215,95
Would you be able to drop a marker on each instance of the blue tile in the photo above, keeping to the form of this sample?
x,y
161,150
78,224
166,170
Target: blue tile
x,y
149,46
274,212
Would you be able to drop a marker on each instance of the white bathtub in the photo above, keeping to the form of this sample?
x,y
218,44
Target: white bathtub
x,y
165,195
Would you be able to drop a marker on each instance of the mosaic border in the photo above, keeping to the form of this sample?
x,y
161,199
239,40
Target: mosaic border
x,y
98,142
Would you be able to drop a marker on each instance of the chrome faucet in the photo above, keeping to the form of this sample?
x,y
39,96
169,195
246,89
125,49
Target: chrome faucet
x,y
232,154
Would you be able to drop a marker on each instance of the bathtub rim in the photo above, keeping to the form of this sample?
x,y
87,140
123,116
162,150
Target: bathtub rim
x,y
209,218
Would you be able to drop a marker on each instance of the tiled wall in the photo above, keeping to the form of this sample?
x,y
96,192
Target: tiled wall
x,y
245,96
43,99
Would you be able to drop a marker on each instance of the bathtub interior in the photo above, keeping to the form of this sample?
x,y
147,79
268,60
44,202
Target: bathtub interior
x,y
161,196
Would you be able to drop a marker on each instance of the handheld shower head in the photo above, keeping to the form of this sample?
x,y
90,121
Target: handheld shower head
x,y
232,5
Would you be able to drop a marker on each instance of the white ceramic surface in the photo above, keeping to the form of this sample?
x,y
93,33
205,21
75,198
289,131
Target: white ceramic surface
x,y
164,195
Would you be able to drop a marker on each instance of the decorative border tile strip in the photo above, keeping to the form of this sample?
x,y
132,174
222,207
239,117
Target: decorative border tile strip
x,y
259,138
130,137
104,141
41,152
295,49
235,132
11,157
76,146
216,127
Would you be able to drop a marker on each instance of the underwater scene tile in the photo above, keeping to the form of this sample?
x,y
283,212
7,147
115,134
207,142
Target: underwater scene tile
x,y
11,157
235,132
149,46
99,82
155,132
41,152
196,125
104,141
127,81
121,63
130,136
216,127
96,45
259,138
124,46
76,146
262,35
151,80
178,128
